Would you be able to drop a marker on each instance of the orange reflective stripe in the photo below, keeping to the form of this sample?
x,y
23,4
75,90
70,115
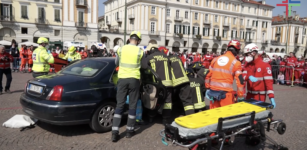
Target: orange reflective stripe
x,y
221,84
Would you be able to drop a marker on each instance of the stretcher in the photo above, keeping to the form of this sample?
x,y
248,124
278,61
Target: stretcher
x,y
216,127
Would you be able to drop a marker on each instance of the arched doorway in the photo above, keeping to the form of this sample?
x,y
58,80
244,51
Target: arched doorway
x,y
176,46
195,47
271,50
105,41
7,34
118,41
82,38
214,48
205,48
277,50
153,42
283,50
224,47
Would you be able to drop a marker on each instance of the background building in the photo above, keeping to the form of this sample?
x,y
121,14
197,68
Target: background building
x,y
190,25
57,20
295,40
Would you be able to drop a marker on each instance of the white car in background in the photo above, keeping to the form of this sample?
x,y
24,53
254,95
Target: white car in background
x,y
68,44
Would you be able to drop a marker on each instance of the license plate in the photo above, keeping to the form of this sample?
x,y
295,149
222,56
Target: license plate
x,y
35,88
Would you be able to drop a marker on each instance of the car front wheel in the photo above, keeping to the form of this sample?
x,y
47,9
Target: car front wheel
x,y
102,119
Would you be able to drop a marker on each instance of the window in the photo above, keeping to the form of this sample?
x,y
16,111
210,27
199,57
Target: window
x,y
241,34
235,7
255,10
196,16
167,28
206,32
178,0
247,23
216,4
41,13
24,30
57,15
253,35
24,40
177,28
207,3
226,5
24,12
57,1
249,9
216,17
248,36
56,32
153,10
241,22
263,36
96,66
216,32
195,30
168,12
242,9
177,13
187,1
225,20
265,12
196,2
234,21
233,34
186,14
6,11
224,33
152,27
80,17
206,17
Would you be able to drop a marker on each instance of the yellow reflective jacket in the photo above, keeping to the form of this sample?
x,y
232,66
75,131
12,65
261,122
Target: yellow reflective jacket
x,y
41,60
75,56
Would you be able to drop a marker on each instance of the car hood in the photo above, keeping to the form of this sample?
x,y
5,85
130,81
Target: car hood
x,y
58,79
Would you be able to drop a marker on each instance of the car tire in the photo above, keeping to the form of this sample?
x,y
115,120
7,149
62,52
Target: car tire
x,y
104,112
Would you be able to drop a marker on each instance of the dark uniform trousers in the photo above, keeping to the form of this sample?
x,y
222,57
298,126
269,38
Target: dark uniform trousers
x,y
131,87
8,74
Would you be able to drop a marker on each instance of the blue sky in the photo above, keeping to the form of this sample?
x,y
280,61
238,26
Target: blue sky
x,y
277,10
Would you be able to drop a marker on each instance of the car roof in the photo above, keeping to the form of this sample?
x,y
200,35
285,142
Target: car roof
x,y
107,59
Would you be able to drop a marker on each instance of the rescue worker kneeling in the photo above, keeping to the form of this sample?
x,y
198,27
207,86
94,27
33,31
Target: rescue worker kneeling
x,y
195,91
72,55
160,63
219,79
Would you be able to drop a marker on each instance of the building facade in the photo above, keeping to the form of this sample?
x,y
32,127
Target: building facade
x,y
57,20
190,25
289,35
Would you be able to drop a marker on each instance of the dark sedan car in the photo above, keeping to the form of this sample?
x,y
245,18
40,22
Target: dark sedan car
x,y
82,93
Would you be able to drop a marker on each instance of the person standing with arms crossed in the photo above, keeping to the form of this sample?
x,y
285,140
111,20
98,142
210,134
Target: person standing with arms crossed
x,y
129,62
41,58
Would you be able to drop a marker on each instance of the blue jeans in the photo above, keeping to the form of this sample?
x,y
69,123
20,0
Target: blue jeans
x,y
16,63
281,81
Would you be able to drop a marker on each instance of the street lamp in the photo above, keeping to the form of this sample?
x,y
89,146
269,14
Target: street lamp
x,y
125,28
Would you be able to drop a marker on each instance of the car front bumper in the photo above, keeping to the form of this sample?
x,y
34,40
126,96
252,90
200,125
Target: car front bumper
x,y
57,113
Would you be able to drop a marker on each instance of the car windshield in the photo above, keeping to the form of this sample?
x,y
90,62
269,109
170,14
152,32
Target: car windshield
x,y
86,68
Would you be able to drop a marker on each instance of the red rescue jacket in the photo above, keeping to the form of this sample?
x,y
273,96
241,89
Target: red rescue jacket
x,y
263,72
282,66
5,59
291,61
207,60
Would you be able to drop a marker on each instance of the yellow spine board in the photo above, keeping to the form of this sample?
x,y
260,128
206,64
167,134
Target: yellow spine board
x,y
211,116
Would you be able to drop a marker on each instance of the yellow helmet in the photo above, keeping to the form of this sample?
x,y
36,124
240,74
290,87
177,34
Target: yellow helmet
x,y
42,40
71,49
137,33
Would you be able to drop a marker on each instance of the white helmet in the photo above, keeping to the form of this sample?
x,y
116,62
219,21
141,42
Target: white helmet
x,y
250,47
115,48
299,57
193,53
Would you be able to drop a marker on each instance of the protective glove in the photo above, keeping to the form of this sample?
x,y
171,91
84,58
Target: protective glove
x,y
240,99
253,79
303,73
69,59
207,96
273,102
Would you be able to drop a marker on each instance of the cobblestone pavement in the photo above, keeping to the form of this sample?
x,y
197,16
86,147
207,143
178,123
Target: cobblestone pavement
x,y
291,107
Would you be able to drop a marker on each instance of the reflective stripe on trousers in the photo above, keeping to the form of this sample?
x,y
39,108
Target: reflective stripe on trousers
x,y
261,92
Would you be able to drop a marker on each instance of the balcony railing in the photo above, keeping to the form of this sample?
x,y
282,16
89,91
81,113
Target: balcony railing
x,y
131,16
298,44
296,31
274,42
157,33
108,23
248,40
41,21
264,41
119,20
178,35
218,38
81,3
225,24
277,32
248,26
81,24
7,18
207,22
178,18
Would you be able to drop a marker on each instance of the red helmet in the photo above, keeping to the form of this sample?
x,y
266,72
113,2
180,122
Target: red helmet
x,y
235,43
163,49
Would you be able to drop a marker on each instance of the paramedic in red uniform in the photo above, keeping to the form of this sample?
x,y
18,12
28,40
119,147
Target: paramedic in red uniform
x,y
282,65
258,75
5,68
291,61
299,68
207,60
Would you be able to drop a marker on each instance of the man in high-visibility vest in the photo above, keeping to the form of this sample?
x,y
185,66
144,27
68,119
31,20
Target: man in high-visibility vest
x,y
41,58
222,72
129,61
72,55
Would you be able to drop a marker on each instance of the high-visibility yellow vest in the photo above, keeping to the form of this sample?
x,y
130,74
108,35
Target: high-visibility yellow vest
x,y
129,61
41,60
75,56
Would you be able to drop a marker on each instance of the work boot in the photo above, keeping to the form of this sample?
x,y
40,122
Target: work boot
x,y
166,121
8,91
141,122
129,133
115,137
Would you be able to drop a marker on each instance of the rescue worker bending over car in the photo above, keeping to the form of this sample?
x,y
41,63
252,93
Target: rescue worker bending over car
x,y
72,55
129,61
160,63
259,75
222,72
41,58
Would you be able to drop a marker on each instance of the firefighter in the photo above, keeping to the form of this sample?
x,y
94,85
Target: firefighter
x,y
219,79
290,63
195,91
259,74
30,60
72,55
299,68
207,60
160,63
24,57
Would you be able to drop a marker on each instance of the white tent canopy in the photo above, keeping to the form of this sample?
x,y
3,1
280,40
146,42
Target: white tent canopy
x,y
29,43
3,42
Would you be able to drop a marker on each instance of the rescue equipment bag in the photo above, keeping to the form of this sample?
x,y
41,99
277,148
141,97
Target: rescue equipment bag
x,y
217,95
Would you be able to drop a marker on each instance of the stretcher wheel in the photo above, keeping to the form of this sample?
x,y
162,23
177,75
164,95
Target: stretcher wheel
x,y
281,129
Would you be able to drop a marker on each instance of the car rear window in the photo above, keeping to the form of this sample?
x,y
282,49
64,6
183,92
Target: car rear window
x,y
86,68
